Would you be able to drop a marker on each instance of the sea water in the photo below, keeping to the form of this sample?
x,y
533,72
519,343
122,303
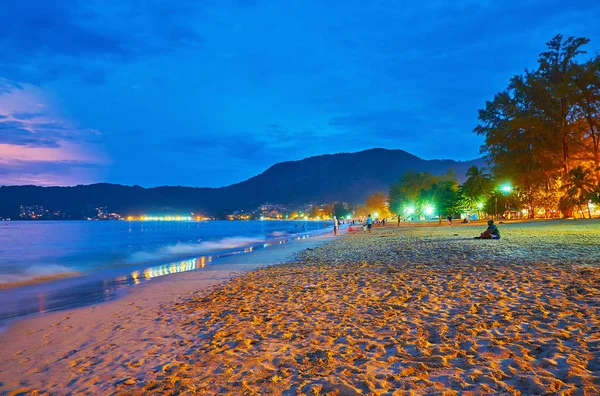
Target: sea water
x,y
67,263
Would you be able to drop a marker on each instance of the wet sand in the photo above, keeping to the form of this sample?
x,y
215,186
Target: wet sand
x,y
427,310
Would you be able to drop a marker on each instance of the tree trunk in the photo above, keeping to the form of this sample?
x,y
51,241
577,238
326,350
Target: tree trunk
x,y
589,210
565,134
595,144
565,153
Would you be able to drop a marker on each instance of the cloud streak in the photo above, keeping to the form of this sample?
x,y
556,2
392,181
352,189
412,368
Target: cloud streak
x,y
211,93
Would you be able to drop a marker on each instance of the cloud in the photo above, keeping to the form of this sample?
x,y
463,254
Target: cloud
x,y
191,92
48,173
13,132
22,132
42,40
26,116
6,85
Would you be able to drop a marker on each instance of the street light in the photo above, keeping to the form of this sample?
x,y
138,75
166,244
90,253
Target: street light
x,y
505,189
429,210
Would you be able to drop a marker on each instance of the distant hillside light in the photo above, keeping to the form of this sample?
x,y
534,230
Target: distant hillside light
x,y
429,210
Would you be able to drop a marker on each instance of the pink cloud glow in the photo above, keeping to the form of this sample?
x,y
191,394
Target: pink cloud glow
x,y
66,152
40,146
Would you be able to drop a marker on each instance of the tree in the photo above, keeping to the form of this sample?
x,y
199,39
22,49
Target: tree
x,y
361,211
544,124
341,210
377,203
327,209
405,192
476,188
444,197
587,80
556,68
317,211
579,188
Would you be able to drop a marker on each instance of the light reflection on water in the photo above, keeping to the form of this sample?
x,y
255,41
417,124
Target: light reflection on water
x,y
172,268
195,263
43,251
86,290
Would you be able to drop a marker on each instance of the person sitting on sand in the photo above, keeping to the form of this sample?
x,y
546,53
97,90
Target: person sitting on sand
x,y
492,232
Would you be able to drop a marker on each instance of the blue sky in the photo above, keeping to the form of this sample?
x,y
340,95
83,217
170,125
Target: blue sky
x,y
211,93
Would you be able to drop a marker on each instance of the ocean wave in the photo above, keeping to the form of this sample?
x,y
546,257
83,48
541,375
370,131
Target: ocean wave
x,y
188,249
36,274
278,234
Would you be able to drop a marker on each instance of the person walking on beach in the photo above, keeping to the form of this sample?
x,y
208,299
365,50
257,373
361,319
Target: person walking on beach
x,y
492,232
450,219
369,223
335,226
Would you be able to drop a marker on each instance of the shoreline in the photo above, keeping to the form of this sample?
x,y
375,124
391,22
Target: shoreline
x,y
166,289
422,310
70,290
32,266
51,337
268,253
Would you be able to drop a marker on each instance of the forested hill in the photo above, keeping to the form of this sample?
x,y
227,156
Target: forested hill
x,y
345,177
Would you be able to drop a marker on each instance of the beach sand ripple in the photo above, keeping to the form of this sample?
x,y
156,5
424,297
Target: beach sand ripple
x,y
404,310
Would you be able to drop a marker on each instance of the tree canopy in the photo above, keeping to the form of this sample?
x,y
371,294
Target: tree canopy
x,y
545,123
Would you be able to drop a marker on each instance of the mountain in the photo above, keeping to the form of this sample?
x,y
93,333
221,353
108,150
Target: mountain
x,y
345,177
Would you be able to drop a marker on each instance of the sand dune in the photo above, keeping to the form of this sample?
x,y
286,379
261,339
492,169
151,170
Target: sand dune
x,y
421,310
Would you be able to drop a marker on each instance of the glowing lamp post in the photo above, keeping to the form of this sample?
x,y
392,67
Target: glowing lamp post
x,y
506,189
429,210
409,210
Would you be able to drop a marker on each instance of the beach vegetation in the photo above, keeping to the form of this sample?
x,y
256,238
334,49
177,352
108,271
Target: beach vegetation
x,y
541,133
378,203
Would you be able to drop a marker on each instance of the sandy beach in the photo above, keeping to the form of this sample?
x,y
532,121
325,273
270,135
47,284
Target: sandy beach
x,y
424,310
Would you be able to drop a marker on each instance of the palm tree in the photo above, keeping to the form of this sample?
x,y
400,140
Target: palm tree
x,y
478,182
579,187
476,188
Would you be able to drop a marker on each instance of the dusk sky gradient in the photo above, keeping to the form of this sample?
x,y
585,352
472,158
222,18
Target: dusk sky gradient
x,y
209,93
